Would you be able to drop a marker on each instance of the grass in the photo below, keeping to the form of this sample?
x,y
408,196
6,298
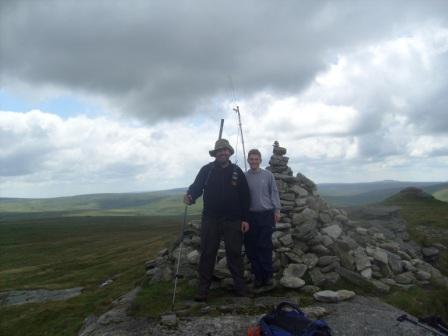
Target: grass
x,y
427,220
69,252
441,195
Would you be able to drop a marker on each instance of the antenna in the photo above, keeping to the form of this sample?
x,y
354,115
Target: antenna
x,y
220,129
237,110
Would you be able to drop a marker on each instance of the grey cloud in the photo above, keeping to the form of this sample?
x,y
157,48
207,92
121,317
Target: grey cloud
x,y
158,60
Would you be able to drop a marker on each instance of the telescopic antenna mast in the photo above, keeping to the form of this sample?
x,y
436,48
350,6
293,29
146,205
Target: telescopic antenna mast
x,y
237,110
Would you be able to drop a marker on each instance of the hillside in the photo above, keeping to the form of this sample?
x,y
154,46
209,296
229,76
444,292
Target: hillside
x,y
156,203
427,218
342,195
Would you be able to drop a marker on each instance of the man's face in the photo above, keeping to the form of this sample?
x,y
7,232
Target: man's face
x,y
222,156
254,161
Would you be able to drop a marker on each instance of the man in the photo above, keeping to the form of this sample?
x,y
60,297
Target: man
x,y
264,213
226,205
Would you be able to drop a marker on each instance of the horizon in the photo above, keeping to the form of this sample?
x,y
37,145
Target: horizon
x,y
355,91
182,188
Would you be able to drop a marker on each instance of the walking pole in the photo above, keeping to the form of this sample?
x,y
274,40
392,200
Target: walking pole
x,y
178,258
407,319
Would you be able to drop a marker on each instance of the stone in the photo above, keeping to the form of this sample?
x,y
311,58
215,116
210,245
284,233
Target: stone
x,y
317,277
326,296
367,273
295,270
325,218
334,231
310,260
344,294
361,231
315,312
380,255
299,191
309,289
305,230
422,275
361,260
331,278
354,277
282,226
380,286
430,251
286,240
169,320
331,267
306,215
320,250
193,257
405,278
292,282
288,197
294,257
395,263
326,260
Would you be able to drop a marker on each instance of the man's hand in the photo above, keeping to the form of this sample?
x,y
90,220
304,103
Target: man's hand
x,y
277,216
188,200
244,226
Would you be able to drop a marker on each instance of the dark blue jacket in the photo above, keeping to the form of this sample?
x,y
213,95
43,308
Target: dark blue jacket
x,y
226,192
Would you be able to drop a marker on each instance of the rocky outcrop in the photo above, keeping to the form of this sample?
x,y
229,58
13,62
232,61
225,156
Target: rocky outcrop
x,y
357,316
317,245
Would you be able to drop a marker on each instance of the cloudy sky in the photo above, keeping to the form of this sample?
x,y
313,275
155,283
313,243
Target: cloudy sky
x,y
118,96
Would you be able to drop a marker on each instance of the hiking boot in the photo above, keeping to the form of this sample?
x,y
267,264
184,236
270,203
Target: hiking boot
x,y
200,298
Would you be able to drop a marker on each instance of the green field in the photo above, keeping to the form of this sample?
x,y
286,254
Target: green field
x,y
70,252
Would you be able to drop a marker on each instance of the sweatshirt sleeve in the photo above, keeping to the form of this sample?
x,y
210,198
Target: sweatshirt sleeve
x,y
275,198
197,188
244,196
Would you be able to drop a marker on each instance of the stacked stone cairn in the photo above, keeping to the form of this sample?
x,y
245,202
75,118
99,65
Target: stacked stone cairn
x,y
314,245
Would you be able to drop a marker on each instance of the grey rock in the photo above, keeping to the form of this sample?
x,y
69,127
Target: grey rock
x,y
334,231
169,320
286,240
430,251
380,286
422,275
361,260
310,260
193,257
326,260
292,282
295,270
405,278
317,277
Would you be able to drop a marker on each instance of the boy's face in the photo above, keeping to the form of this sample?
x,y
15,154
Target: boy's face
x,y
254,161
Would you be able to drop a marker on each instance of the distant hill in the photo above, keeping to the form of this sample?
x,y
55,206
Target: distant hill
x,y
169,202
351,194
155,203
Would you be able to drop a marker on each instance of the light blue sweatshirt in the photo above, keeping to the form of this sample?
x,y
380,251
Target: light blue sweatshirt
x,y
263,190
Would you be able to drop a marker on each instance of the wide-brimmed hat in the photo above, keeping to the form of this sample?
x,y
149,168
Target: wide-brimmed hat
x,y
221,144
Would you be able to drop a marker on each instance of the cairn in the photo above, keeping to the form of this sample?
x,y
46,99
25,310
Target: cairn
x,y
315,245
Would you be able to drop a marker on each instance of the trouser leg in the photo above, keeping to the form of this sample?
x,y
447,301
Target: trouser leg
x,y
233,239
210,238
264,247
250,244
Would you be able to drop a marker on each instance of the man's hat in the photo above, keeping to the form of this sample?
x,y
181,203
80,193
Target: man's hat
x,y
221,144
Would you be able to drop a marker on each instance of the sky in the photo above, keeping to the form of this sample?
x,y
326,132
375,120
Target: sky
x,y
122,96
